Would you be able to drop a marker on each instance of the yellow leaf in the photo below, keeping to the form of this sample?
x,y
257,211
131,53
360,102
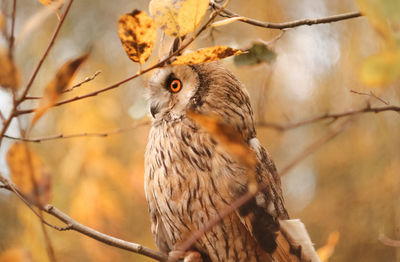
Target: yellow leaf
x,y
55,88
327,250
9,73
15,255
382,68
206,55
178,17
29,173
374,11
137,32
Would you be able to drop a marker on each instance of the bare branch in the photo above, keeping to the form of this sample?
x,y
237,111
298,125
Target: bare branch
x,y
11,187
50,45
109,240
74,225
85,134
313,147
370,94
17,102
87,79
367,109
291,24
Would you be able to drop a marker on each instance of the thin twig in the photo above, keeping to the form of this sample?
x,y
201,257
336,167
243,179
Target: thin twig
x,y
74,225
50,45
16,102
368,109
291,24
84,134
109,240
87,79
191,240
11,187
371,94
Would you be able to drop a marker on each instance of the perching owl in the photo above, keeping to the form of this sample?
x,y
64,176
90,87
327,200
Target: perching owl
x,y
189,177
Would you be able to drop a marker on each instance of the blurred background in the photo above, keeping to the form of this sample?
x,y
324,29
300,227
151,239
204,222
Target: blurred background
x,y
349,185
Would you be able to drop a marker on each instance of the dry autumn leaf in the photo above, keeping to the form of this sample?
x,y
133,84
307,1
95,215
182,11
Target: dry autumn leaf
x,y
9,73
29,173
56,87
178,17
137,32
205,55
15,255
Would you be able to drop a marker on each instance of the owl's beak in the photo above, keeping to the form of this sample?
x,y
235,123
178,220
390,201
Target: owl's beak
x,y
154,110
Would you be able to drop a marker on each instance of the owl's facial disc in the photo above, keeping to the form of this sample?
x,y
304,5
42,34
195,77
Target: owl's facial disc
x,y
170,90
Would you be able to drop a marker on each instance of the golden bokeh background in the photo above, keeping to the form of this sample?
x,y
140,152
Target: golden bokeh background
x,y
350,184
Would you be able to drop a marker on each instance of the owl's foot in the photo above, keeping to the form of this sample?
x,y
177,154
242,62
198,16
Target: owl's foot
x,y
188,256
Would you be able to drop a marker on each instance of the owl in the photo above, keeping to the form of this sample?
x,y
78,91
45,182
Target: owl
x,y
190,177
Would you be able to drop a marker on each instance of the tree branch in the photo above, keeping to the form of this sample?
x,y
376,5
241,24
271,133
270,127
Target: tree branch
x,y
87,79
85,134
50,45
75,226
367,109
370,94
17,102
291,24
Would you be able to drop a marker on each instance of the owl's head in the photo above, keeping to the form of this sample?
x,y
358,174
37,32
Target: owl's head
x,y
176,89
207,88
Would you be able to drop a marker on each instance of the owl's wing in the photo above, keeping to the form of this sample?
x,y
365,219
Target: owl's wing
x,y
267,219
158,230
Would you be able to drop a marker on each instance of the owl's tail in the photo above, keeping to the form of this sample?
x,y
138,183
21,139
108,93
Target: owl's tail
x,y
294,243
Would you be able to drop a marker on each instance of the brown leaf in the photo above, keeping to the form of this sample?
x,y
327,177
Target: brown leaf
x,y
9,73
206,55
55,88
178,17
29,173
137,32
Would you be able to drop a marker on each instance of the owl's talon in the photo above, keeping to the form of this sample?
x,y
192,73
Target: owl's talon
x,y
189,256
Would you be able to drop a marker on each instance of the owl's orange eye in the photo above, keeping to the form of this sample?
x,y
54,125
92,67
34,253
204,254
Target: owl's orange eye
x,y
175,86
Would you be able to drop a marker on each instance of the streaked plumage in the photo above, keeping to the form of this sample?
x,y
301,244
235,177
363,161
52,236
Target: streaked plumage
x,y
190,177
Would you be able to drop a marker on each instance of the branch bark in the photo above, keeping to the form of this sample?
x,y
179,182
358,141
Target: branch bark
x,y
367,109
76,226
291,24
